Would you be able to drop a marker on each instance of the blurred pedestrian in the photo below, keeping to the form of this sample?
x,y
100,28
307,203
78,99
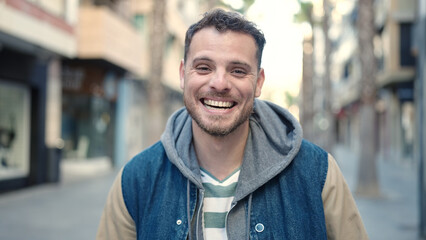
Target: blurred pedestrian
x,y
229,166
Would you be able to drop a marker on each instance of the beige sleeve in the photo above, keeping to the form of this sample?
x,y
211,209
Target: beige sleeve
x,y
342,217
116,222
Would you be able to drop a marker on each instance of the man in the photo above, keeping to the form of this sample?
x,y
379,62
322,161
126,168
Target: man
x,y
229,166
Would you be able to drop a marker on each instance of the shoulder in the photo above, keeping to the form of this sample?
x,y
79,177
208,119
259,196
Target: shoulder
x,y
312,156
340,210
152,152
149,158
116,221
309,149
312,161
143,167
138,175
148,180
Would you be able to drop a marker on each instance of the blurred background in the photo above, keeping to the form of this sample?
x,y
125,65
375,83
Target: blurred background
x,y
87,84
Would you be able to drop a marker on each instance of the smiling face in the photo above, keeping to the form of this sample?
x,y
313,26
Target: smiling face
x,y
220,80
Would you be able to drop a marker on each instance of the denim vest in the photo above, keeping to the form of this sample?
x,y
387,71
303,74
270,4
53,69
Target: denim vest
x,y
162,202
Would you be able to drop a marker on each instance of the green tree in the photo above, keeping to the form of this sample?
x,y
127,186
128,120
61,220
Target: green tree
x,y
245,6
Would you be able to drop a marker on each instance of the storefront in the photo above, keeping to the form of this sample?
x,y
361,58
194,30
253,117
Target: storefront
x,y
25,157
88,110
14,130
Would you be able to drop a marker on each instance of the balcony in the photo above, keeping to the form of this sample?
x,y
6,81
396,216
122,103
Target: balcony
x,y
401,75
104,35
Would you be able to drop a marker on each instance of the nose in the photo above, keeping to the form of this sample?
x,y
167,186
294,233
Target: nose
x,y
219,81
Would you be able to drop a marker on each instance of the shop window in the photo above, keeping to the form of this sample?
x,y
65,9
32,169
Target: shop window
x,y
407,124
14,130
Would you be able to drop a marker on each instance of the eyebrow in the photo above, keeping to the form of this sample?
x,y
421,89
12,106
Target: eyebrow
x,y
202,59
245,65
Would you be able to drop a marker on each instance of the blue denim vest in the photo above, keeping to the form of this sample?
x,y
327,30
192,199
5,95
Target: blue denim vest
x,y
287,207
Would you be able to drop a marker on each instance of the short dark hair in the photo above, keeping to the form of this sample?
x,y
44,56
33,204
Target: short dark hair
x,y
224,21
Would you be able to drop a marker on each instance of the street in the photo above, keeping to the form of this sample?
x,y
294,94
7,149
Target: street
x,y
65,211
71,210
394,215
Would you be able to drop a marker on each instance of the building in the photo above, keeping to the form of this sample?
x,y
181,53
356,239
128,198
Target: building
x,y
395,77
105,86
110,53
420,93
74,79
34,38
396,80
400,52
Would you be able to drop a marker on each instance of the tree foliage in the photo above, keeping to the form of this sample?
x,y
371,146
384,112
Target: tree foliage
x,y
305,13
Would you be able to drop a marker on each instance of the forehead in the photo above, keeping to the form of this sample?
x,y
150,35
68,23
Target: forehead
x,y
209,41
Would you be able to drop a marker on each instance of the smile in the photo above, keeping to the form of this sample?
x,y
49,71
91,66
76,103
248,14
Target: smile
x,y
213,104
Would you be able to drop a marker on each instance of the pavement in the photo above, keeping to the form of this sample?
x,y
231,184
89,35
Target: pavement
x,y
72,209
67,211
395,213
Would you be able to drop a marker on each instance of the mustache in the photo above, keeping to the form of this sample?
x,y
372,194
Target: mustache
x,y
213,94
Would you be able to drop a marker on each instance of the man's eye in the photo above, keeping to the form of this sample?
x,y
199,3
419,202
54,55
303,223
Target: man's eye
x,y
203,69
239,72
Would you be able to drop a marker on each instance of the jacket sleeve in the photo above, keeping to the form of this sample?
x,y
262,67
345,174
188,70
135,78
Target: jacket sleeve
x,y
343,220
116,222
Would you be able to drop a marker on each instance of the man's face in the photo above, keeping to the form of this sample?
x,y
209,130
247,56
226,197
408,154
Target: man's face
x,y
220,80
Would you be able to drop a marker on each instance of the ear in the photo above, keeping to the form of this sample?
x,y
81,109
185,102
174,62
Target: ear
x,y
259,82
182,74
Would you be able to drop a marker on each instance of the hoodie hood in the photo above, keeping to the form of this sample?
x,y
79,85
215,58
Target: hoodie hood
x,y
273,142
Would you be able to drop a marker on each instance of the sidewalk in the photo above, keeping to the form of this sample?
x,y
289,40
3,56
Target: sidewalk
x,y
395,214
69,210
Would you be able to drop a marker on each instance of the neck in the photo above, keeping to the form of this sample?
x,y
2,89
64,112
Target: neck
x,y
220,156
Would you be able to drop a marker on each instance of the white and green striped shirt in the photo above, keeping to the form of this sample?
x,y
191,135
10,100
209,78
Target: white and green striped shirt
x,y
217,203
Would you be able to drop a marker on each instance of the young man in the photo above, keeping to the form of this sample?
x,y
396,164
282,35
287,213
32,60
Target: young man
x,y
229,166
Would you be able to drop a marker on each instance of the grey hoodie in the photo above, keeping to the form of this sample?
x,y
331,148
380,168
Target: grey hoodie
x,y
274,140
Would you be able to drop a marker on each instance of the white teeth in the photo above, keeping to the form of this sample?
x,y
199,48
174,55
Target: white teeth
x,y
220,104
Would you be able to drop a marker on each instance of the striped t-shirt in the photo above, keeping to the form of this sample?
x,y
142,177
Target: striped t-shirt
x,y
217,203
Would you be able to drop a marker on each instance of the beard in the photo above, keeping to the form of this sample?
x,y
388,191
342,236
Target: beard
x,y
215,124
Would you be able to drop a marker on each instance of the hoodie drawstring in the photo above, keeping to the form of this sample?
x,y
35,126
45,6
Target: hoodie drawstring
x,y
248,216
188,207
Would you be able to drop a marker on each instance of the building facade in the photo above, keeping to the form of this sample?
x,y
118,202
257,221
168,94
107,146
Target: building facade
x,y
394,51
420,93
34,37
105,109
110,51
400,53
73,83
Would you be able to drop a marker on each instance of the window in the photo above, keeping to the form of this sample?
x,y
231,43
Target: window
x,y
406,58
14,130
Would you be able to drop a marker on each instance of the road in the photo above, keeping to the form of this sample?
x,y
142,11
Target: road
x,y
71,209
